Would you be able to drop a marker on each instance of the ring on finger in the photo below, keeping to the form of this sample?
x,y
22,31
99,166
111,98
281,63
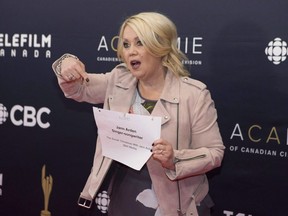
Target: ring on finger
x,y
70,77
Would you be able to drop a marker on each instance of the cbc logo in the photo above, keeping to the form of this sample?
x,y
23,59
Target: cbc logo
x,y
102,201
26,116
276,51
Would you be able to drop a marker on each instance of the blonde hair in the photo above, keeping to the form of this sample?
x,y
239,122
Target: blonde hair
x,y
158,35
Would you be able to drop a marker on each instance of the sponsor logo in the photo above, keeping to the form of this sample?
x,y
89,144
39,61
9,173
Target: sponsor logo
x,y
102,201
276,51
190,46
27,116
259,140
22,45
3,114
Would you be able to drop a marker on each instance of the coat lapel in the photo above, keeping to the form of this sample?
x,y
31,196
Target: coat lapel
x,y
123,95
170,94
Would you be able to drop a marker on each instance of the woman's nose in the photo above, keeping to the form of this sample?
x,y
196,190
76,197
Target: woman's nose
x,y
132,50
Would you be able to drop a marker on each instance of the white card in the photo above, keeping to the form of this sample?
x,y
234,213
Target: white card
x,y
127,138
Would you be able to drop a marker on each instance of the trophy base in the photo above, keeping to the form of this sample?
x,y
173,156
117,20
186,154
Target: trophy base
x,y
45,213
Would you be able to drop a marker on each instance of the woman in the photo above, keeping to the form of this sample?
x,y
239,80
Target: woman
x,y
151,81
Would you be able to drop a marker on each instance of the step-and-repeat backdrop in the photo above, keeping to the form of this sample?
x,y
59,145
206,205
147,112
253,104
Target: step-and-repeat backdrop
x,y
47,142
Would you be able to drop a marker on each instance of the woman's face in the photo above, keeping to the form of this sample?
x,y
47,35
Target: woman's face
x,y
140,62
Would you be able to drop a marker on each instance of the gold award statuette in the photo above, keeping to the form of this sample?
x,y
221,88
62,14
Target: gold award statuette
x,y
47,183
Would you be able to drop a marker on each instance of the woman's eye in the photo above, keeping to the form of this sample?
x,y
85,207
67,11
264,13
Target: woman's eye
x,y
139,43
125,45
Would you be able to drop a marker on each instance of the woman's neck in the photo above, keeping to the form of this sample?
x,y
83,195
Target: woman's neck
x,y
152,90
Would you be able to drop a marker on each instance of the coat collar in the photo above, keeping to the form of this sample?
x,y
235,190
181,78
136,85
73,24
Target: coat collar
x,y
171,88
121,99
124,81
127,86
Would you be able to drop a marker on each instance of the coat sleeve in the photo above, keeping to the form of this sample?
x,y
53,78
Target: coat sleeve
x,y
206,150
92,92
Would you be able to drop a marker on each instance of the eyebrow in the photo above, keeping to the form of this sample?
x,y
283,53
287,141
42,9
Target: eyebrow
x,y
135,39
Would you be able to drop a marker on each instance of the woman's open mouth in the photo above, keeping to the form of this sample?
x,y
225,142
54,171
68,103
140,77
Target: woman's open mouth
x,y
135,64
